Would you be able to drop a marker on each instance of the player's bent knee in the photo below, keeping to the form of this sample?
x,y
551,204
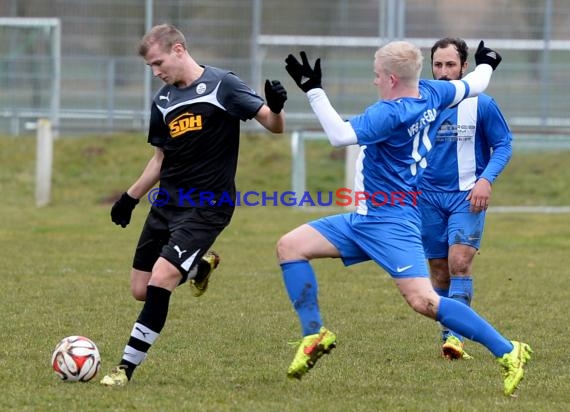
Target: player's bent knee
x,y
139,282
139,293
285,248
460,268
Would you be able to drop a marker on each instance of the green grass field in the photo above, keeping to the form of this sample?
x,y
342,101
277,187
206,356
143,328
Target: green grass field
x,y
66,271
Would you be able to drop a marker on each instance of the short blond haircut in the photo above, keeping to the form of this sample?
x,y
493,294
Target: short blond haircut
x,y
402,59
166,35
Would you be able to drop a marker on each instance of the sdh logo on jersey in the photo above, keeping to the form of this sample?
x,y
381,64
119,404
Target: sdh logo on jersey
x,y
186,122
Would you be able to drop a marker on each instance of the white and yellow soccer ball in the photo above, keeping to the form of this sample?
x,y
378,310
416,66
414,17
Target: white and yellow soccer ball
x,y
76,359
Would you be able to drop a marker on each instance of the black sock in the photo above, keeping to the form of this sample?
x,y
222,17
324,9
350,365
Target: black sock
x,y
148,326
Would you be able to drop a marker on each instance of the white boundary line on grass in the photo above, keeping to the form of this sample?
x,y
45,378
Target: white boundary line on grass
x,y
530,209
493,209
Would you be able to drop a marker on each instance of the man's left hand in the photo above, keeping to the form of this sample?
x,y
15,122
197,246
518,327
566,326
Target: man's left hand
x,y
276,95
480,195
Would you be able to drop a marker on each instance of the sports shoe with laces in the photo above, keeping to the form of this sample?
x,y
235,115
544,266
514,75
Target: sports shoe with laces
x,y
513,366
199,283
311,348
117,377
453,349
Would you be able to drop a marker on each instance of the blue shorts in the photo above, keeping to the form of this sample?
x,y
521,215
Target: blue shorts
x,y
396,246
447,221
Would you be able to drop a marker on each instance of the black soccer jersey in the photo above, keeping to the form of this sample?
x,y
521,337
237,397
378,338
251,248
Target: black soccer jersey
x,y
198,129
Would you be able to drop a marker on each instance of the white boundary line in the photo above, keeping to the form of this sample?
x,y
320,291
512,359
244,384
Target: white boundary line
x,y
546,210
530,209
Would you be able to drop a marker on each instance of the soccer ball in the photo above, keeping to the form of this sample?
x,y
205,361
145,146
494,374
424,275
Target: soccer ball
x,y
76,359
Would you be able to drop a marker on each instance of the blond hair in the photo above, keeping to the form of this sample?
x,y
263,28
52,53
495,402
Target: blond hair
x,y
166,35
402,59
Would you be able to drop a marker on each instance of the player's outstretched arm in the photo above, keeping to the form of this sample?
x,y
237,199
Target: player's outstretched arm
x,y
309,80
477,81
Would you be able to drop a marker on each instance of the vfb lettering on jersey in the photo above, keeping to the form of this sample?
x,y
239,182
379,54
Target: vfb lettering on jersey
x,y
186,122
427,117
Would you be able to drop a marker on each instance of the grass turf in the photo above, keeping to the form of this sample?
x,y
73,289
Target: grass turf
x,y
66,272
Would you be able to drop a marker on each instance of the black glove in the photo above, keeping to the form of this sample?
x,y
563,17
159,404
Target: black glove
x,y
275,94
122,210
305,76
485,55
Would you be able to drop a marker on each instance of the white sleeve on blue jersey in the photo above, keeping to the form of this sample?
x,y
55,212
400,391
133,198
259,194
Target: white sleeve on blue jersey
x,y
476,82
339,132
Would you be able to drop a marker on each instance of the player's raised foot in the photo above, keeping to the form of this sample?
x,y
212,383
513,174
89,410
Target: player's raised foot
x,y
117,377
453,349
513,364
311,348
199,284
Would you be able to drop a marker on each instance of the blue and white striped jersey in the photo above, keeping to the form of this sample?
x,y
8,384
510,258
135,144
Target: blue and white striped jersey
x,y
472,140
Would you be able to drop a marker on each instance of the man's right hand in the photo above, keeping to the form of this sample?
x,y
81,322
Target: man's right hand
x,y
485,55
305,76
122,210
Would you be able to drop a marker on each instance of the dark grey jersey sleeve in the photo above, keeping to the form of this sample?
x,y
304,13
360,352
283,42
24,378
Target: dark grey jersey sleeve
x,y
158,130
238,99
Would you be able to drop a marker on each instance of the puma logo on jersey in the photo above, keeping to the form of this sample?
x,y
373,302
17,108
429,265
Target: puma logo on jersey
x,y
180,252
186,122
167,97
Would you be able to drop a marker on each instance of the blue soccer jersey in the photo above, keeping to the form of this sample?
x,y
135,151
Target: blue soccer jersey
x,y
396,137
473,140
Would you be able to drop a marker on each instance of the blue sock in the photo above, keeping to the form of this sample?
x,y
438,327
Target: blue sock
x,y
461,318
461,290
302,288
445,332
442,292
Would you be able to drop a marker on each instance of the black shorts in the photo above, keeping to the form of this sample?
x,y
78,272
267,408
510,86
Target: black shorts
x,y
181,236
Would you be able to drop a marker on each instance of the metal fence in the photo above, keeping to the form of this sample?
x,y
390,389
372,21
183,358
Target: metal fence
x,y
104,86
